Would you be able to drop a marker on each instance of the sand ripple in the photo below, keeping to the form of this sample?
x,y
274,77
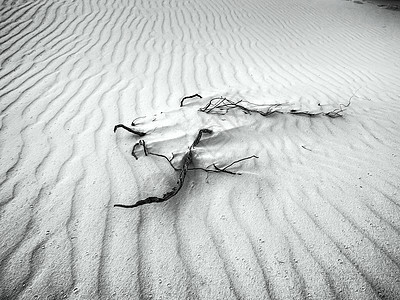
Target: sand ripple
x,y
316,216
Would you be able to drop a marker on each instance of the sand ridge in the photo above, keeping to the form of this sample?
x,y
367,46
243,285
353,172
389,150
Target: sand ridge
x,y
316,216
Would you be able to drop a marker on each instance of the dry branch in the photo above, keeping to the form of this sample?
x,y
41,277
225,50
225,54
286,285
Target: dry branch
x,y
189,97
221,106
139,133
187,160
218,169
134,121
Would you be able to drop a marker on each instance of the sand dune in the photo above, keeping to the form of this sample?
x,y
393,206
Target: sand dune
x,y
316,216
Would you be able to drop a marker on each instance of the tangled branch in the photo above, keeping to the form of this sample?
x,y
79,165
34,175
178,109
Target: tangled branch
x,y
219,106
222,105
186,161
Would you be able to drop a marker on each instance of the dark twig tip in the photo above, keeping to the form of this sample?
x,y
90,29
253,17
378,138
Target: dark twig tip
x,y
189,97
139,133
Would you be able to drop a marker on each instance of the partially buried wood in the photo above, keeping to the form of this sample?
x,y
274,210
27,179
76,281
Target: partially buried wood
x,y
221,106
131,130
189,97
187,160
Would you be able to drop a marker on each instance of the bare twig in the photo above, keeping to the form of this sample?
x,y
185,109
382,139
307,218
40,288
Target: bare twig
x,y
338,112
134,148
189,97
140,143
147,152
199,135
139,133
304,147
134,121
235,162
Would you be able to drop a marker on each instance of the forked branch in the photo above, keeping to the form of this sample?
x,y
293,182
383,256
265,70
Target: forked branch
x,y
186,161
221,106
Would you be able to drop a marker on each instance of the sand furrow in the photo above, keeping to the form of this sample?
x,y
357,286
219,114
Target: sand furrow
x,y
335,258
226,262
269,246
87,250
124,28
6,36
50,32
41,26
118,248
349,218
102,285
17,14
26,243
318,283
34,261
354,221
62,37
51,63
322,281
6,253
373,234
363,268
166,272
108,25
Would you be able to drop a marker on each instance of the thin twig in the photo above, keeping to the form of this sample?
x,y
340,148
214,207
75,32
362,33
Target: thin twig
x,y
147,152
134,148
139,133
140,143
304,147
338,112
134,121
168,159
189,97
239,160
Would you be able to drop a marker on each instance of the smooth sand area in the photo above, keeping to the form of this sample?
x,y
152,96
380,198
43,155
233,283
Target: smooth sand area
x,y
316,216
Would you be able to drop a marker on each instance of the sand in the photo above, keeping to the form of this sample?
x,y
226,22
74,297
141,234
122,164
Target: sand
x,y
316,216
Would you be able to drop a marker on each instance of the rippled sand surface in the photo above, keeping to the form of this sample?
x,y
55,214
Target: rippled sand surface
x,y
316,216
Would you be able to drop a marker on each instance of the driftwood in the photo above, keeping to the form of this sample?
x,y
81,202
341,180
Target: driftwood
x,y
186,161
220,106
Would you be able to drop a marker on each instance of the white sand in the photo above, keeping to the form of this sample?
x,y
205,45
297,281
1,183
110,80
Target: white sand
x,y
316,216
